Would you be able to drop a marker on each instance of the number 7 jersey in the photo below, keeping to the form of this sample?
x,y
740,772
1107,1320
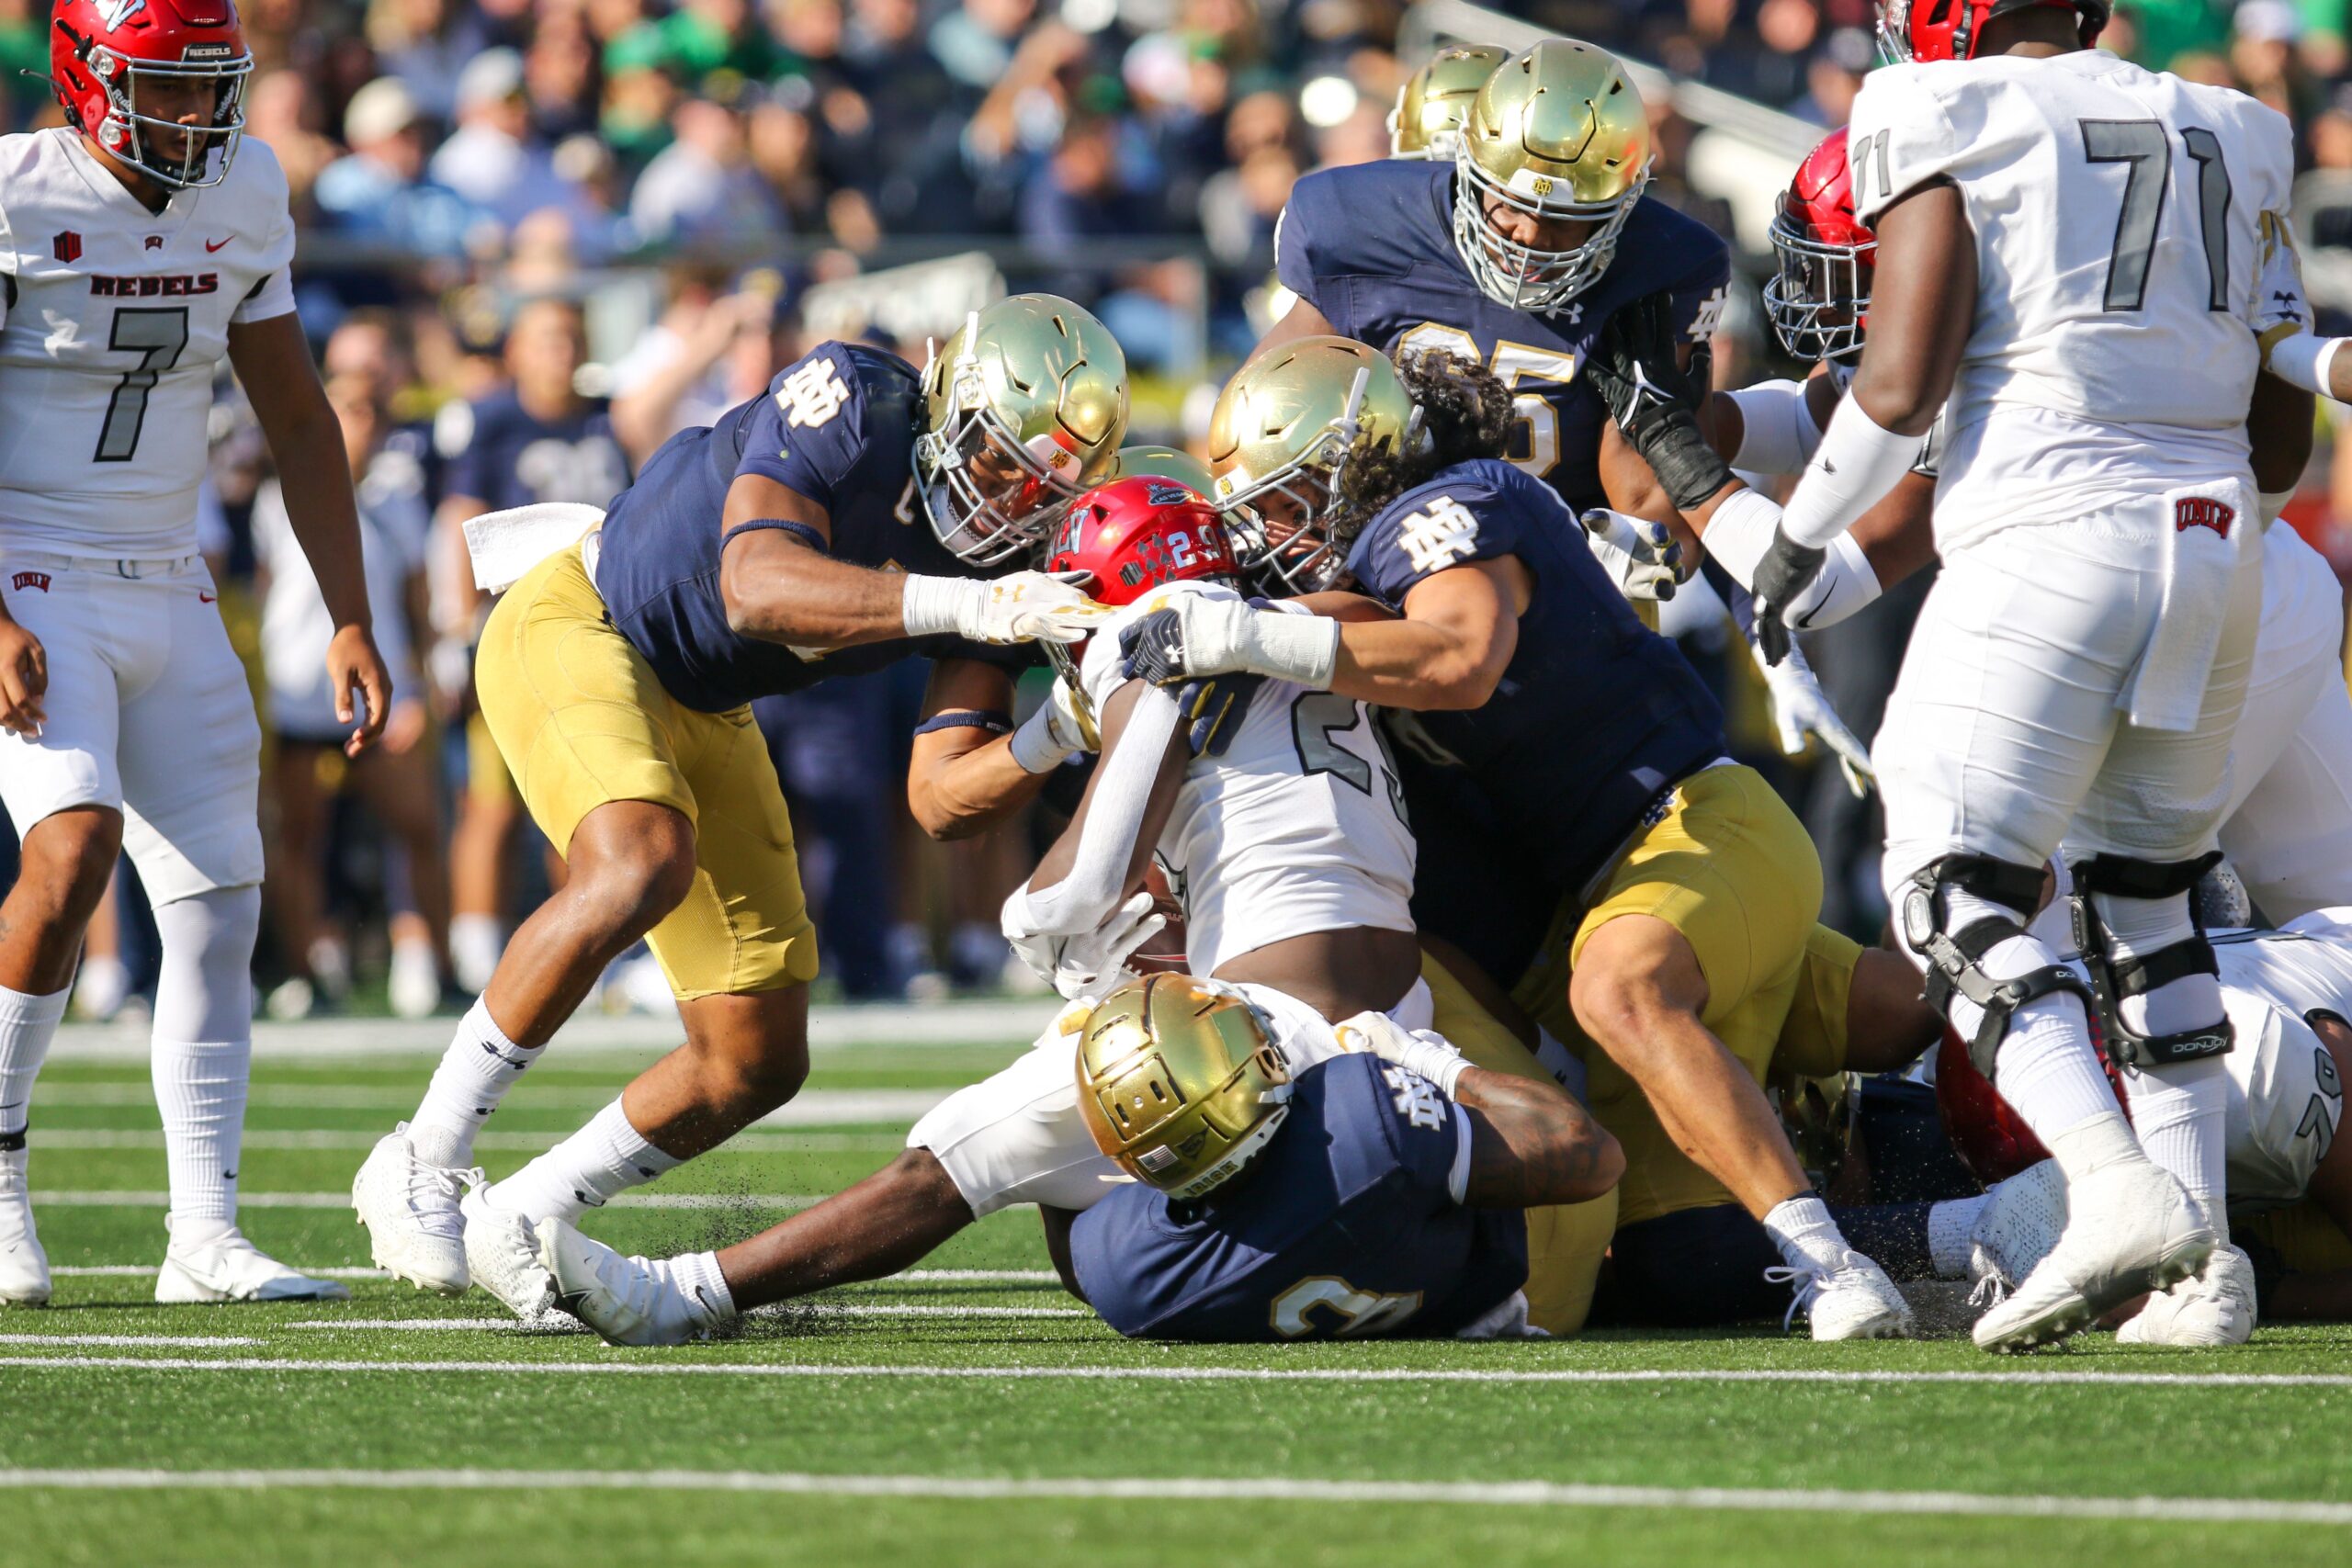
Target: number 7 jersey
x,y
117,320
2121,221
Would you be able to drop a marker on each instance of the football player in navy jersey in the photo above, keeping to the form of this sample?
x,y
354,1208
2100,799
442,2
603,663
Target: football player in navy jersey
x,y
1563,766
837,524
1376,1193
1512,253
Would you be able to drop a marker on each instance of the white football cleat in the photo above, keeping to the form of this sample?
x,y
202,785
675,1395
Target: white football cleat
x,y
2211,1308
230,1268
2021,1222
1854,1301
504,1257
23,1267
2130,1228
630,1300
416,1231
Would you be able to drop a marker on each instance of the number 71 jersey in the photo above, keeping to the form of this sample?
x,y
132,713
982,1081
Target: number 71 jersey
x,y
2121,216
117,320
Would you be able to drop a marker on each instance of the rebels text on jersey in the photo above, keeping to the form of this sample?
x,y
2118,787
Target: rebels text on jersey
x,y
2119,219
1351,1225
838,428
1371,247
502,457
1594,715
117,320
1298,827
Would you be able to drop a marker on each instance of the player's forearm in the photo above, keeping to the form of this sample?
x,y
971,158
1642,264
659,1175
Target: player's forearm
x,y
1417,665
962,791
811,600
2314,363
1543,1148
1738,525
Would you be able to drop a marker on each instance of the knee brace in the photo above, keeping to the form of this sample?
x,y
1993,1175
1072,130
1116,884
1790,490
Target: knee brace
x,y
1955,958
2114,979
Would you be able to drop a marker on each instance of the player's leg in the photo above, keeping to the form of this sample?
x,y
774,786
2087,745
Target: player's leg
x,y
190,754
564,694
1016,1137
1683,972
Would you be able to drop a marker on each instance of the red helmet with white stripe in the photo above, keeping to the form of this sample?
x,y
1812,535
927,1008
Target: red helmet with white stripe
x,y
1820,299
105,55
1949,29
1135,534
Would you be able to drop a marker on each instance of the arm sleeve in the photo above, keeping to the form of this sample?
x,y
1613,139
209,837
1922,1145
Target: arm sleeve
x,y
1900,137
1776,431
1096,885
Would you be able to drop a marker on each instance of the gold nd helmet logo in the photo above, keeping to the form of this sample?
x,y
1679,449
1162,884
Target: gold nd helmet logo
x,y
1542,184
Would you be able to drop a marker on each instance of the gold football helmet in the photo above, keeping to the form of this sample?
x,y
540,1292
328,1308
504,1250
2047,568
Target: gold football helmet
x,y
1179,1082
1162,463
1025,408
1427,121
1283,433
1559,134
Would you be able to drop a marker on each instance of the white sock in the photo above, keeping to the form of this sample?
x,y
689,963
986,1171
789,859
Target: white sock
x,y
2045,1067
1949,1227
28,1024
1808,1238
476,1071
586,1170
2179,1111
2138,927
475,942
709,1301
200,1089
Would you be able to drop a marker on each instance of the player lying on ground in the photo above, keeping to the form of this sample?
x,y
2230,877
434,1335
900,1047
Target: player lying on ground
x,y
782,546
145,243
1568,772
1294,867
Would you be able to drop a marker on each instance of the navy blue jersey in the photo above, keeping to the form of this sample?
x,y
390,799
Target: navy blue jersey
x,y
838,427
502,457
1595,715
1371,247
1348,1224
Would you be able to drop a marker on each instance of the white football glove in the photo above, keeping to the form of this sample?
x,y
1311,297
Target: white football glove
x,y
1420,1051
1642,558
1058,731
1094,962
1800,707
1022,607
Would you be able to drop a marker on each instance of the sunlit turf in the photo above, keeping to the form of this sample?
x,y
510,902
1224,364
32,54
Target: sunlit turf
x,y
953,1396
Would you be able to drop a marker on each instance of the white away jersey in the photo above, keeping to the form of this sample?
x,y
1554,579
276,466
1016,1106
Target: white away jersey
x,y
117,320
2119,217
2286,1097
1298,827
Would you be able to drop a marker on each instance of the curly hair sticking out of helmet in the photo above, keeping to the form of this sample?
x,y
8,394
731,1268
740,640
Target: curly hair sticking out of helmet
x,y
1466,413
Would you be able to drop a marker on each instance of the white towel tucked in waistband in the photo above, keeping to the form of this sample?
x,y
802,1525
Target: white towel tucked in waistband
x,y
505,545
2205,526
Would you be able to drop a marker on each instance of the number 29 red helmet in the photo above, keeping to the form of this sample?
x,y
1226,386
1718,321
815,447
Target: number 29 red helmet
x,y
1135,534
1949,29
105,56
1820,299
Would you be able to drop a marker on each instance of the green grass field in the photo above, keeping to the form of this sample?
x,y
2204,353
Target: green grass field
x,y
971,1413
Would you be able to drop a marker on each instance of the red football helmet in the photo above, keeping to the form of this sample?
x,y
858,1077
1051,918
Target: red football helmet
x,y
1135,534
1990,1137
102,52
1820,299
1948,30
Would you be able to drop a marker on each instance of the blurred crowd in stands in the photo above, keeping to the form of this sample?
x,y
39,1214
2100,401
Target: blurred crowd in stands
x,y
541,236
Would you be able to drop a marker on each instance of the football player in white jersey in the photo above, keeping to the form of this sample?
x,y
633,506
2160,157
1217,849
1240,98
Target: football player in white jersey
x,y
2078,671
137,249
1295,866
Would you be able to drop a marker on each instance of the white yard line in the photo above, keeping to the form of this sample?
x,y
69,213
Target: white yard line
x,y
616,1368
913,1276
68,1199
829,1307
515,1142
156,1341
139,1270
1523,1494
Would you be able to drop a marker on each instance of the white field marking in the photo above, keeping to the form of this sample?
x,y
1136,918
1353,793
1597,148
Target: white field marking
x,y
810,1108
1010,1021
138,1271
158,1341
1188,1374
110,1200
1524,1493
521,1143
831,1308
915,1276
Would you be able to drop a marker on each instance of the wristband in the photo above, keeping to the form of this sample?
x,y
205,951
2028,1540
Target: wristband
x,y
1301,648
1037,746
1857,462
934,607
2303,360
2273,502
1435,1060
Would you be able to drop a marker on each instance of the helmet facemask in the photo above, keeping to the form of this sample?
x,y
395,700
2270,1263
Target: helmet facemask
x,y
1522,278
1820,299
990,497
130,135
